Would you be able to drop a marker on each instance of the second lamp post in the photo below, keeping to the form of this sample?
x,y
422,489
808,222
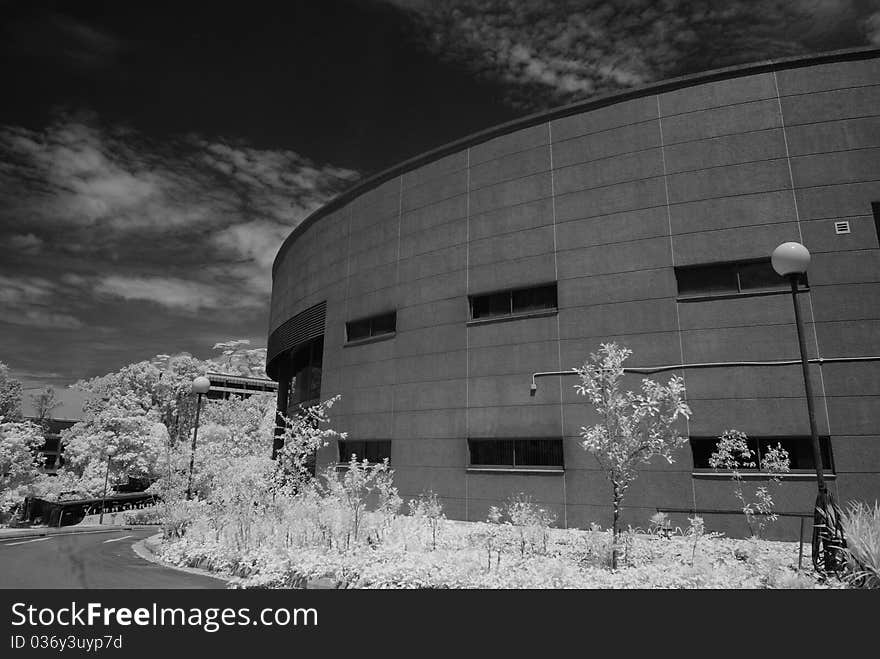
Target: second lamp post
x,y
201,385
110,452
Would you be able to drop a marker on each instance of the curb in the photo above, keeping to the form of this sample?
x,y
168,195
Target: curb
x,y
145,549
65,531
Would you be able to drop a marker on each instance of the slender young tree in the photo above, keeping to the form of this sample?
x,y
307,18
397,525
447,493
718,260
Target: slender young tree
x,y
633,427
45,402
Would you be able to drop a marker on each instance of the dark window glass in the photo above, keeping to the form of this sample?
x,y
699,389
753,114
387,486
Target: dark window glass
x,y
359,329
509,302
513,453
306,371
491,452
532,299
800,451
730,278
384,324
496,304
706,280
371,450
760,276
538,453
374,326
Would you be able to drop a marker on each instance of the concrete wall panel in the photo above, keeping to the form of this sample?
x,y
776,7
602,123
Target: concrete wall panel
x,y
509,220
607,118
727,120
832,136
727,150
510,167
835,75
613,228
848,103
718,94
627,139
515,142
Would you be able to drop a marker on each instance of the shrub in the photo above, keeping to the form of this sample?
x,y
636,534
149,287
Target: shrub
x,y
361,484
660,524
179,516
429,509
532,524
861,526
732,454
147,516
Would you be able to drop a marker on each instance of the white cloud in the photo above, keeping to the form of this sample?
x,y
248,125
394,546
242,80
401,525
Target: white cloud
x,y
27,243
43,319
258,240
872,28
124,205
166,291
29,301
550,52
23,291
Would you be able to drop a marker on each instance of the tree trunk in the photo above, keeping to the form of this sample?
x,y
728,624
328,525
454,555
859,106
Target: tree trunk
x,y
615,527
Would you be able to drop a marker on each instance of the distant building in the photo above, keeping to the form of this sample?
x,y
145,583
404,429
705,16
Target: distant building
x,y
51,450
67,412
224,386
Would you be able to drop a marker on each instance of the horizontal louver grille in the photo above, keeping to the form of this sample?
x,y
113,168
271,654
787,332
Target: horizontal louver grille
x,y
303,327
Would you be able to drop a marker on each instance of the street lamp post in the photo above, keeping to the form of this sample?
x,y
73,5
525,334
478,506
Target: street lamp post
x,y
201,385
790,260
110,452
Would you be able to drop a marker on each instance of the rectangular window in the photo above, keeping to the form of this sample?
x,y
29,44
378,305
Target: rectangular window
x,y
800,451
741,277
516,453
372,450
507,303
365,328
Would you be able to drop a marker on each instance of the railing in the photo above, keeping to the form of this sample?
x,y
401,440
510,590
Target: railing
x,y
65,513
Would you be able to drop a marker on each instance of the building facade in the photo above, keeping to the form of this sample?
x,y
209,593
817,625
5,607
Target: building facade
x,y
428,295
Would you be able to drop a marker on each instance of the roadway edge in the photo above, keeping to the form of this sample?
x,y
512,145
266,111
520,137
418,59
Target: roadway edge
x,y
145,549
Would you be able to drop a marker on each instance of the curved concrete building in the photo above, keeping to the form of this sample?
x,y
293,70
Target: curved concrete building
x,y
428,295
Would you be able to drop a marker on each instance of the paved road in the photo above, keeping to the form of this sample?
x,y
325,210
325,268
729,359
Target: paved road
x,y
89,560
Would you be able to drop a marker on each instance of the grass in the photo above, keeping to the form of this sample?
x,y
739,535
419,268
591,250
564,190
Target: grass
x,y
861,527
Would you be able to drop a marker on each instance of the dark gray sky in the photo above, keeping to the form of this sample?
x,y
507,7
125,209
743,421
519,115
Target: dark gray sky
x,y
154,156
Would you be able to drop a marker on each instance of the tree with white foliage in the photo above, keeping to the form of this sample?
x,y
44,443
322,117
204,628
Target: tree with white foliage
x,y
10,395
633,428
303,434
137,437
20,443
231,433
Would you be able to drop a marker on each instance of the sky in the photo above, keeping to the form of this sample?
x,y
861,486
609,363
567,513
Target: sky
x,y
154,156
